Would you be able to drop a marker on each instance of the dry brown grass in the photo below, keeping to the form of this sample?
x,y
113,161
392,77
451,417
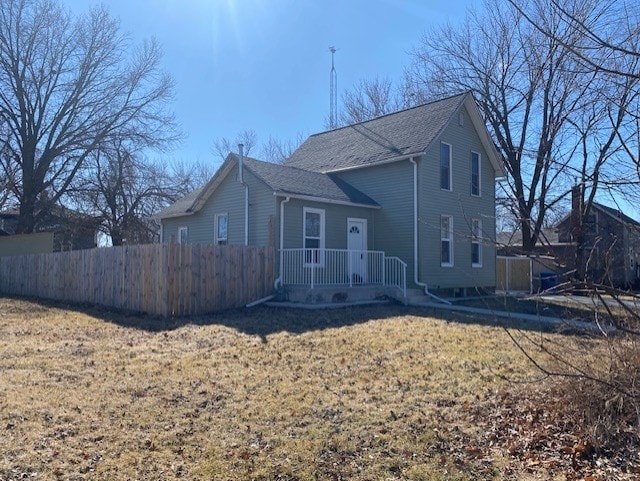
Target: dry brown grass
x,y
362,394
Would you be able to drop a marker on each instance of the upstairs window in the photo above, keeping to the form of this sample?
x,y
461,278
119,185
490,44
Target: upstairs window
x,y
446,241
445,166
476,243
475,174
222,227
313,235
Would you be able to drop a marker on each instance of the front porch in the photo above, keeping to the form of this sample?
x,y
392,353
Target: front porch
x,y
338,275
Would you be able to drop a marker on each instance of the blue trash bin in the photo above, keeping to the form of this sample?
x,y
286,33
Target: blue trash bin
x,y
548,280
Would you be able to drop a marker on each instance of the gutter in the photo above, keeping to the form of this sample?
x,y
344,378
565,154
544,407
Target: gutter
x,y
246,193
416,281
381,162
171,216
278,281
325,200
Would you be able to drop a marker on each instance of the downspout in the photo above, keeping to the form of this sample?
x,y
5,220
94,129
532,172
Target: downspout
x,y
415,236
246,193
278,281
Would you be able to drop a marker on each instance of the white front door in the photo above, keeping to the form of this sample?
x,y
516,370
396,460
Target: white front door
x,y
357,246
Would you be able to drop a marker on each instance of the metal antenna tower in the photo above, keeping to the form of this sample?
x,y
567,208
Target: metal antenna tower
x,y
333,94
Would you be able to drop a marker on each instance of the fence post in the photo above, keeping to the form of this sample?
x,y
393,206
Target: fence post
x,y
530,275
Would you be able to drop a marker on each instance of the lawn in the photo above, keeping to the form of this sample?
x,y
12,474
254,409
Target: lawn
x,y
275,394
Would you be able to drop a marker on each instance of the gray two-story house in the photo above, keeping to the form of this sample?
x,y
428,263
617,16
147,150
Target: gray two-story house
x,y
405,199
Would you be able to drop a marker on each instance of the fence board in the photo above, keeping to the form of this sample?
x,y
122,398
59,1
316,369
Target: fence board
x,y
513,274
160,279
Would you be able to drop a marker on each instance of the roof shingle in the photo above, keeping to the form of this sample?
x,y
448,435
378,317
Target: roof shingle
x,y
381,139
294,181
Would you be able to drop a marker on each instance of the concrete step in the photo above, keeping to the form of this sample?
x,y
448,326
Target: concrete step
x,y
333,294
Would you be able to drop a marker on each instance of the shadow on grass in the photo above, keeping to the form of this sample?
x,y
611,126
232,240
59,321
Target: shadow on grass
x,y
263,321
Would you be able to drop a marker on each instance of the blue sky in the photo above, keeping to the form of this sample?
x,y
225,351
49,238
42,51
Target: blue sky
x,y
264,64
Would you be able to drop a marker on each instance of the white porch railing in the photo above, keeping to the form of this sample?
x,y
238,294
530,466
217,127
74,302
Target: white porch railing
x,y
322,267
396,274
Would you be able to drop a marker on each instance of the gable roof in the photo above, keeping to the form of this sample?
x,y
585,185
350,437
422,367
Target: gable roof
x,y
298,182
548,236
280,179
617,214
56,218
390,137
182,206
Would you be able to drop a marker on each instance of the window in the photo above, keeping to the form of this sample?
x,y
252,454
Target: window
x,y
313,235
445,166
183,235
446,240
476,242
222,225
475,174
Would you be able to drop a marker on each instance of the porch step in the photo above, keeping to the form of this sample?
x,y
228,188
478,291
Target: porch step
x,y
415,297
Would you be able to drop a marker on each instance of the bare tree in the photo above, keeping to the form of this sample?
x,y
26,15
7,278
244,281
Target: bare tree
x,y
222,146
527,87
608,30
188,176
605,129
66,86
609,47
7,167
369,99
123,189
274,150
277,151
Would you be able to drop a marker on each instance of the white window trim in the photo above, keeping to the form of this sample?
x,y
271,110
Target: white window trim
x,y
476,238
321,242
217,233
449,239
180,231
479,194
450,189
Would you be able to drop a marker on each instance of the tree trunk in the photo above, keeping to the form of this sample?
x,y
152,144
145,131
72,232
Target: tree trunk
x,y
116,237
528,242
27,215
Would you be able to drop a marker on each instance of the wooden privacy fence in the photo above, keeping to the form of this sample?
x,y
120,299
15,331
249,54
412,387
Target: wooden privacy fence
x,y
514,274
160,279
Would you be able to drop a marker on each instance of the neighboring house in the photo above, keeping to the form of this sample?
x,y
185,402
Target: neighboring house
x,y
68,229
611,242
611,245
354,205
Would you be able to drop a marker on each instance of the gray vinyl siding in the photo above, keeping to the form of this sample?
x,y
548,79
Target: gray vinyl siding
x,y
335,223
462,206
391,186
262,212
228,198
